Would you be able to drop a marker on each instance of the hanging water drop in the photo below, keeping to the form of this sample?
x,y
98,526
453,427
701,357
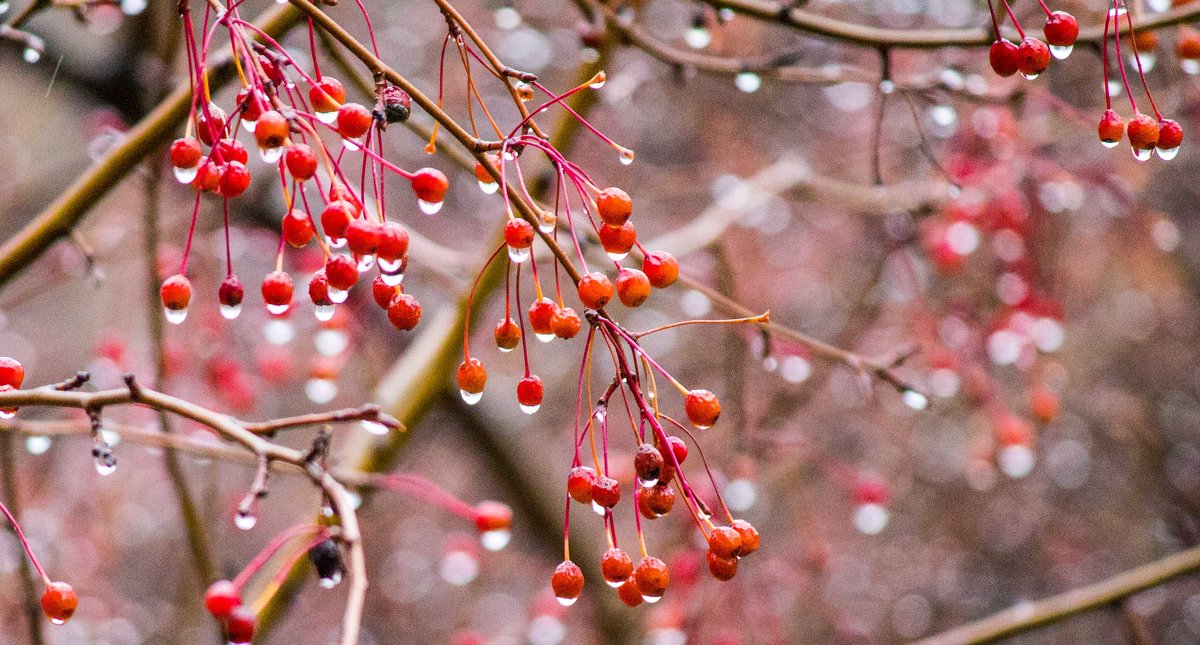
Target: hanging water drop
x,y
230,312
37,444
365,263
392,279
1029,77
339,243
598,81
1061,51
545,338
617,257
337,296
374,427
278,309
651,599
1141,155
175,316
390,266
530,409
7,414
495,540
915,400
331,581
245,520
518,255
270,155
324,312
598,509
326,117
697,37
470,398
748,82
1167,154
186,175
105,466
548,223
249,125
1110,144
351,145
429,208
626,157
566,602
489,187
32,55
648,483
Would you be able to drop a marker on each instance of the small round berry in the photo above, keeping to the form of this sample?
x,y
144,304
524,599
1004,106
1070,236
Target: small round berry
x,y
221,598
327,94
298,228
342,271
1170,135
629,593
618,240
749,534
633,287
301,161
678,448
231,292
336,217
176,292
393,242
208,176
1146,41
353,120
430,185
661,268
471,376
565,323
210,125
648,463
518,233
272,130
579,483
614,206
481,171
12,373
493,516
363,236
241,625
186,153
567,582
318,289
702,407
616,566
232,150
1033,56
725,541
404,312
541,316
251,103
235,179
722,568
1143,132
1111,128
656,501
59,602
529,391
652,577
382,292
1004,57
595,290
508,334
606,491
1044,405
277,289
1061,29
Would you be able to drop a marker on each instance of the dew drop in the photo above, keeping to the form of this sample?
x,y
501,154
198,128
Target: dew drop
x,y
374,427
1117,12
614,585
230,312
470,398
57,621
651,599
887,86
32,55
530,409
598,509
390,266
175,316
3,7
326,117
1167,154
244,521
279,309
1029,77
7,414
1109,144
1141,155
697,37
1061,51
647,483
329,582
489,187
320,390
566,602
548,223
508,155
106,464
365,263
1190,66
495,540
270,155
915,400
429,208
337,296
870,519
339,243
324,312
545,338
133,7
250,126
600,83
351,145
506,350
748,82
186,175
626,157
617,257
37,444
392,279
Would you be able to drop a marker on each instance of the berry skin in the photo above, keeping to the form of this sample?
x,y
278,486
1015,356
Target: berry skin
x,y
363,236
656,501
662,269
702,407
481,172
277,289
176,292
251,103
186,153
750,539
298,228
336,217
342,271
565,323
404,312
493,516
1061,29
725,542
383,292
393,242
231,292
1170,135
12,373
1111,128
652,577
616,566
579,483
629,593
678,448
235,179
210,127
232,150
222,598
595,290
301,161
1143,132
397,104
1033,56
567,581
241,625
633,287
614,206
648,463
430,185
518,233
59,602
508,334
327,95
529,391
353,120
208,176
606,491
272,130
722,568
318,289
541,315
1004,57
471,376
618,240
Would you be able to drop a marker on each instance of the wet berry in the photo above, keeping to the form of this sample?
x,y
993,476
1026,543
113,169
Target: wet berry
x,y
614,206
749,534
1061,29
595,290
565,323
648,463
232,150
618,240
353,120
393,242
606,491
629,593
241,625
567,581
1111,128
702,407
652,577
471,376
327,95
529,391
1033,56
176,292
210,125
518,233
722,568
493,516
633,287
297,228
397,104
208,176
277,289
12,373
363,236
725,541
430,185
1170,135
342,271
656,501
1004,57
508,334
318,289
251,103
231,292
301,161
235,179
616,566
382,292
1143,132
336,217
59,602
579,483
272,130
186,153
541,315
661,268
221,598
404,312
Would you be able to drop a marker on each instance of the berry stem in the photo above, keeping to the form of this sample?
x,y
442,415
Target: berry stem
x,y
760,319
1138,59
471,301
1107,89
25,543
271,549
1120,65
1013,17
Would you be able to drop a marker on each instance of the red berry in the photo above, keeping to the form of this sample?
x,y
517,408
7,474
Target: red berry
x,y
471,376
725,541
648,463
222,598
208,176
1187,45
393,242
298,228
1004,57
1033,56
518,233
618,240
404,312
567,582
633,287
678,448
232,150
579,483
176,292
703,408
493,516
1111,128
383,292
12,373
186,153
336,217
481,171
541,315
342,271
1170,135
327,95
353,120
210,125
235,179
240,626
661,268
508,334
363,236
1143,132
301,161
430,185
272,130
629,593
277,289
529,392
750,539
606,491
565,323
1044,405
614,206
231,292
722,567
652,577
318,289
59,602
1061,29
251,103
595,290
656,501
616,566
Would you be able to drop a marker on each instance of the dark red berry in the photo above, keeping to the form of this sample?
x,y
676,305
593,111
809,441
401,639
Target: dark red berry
x,y
301,161
567,581
221,598
1004,57
1061,29
404,312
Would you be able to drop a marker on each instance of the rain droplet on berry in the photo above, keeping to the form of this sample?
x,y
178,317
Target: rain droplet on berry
x,y
175,316
230,312
495,540
470,398
429,208
245,520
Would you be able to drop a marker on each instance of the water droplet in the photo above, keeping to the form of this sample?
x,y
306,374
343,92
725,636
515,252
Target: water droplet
x,y
429,208
915,400
365,263
374,427
697,37
470,398
489,187
390,266
1029,77
270,155
279,309
598,509
175,316
626,157
545,338
614,585
329,582
1141,155
337,296
3,7
250,126
339,243
508,155
186,175
870,519
887,86
617,257
599,82
566,602
1060,51
230,312
133,7
651,599
351,145
530,409
244,521
324,312
506,350
548,223
32,55
1109,144
37,444
748,82
518,255
57,621
495,540
320,390
1190,66
647,483
106,464
7,414
1117,11
1167,154
392,279
325,117
1149,60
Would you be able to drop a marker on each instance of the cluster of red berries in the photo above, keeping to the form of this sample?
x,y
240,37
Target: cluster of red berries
x,y
12,374
1032,56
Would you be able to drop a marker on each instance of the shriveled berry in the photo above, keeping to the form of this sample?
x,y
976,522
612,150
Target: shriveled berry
x,y
327,94
471,376
298,228
652,577
616,566
235,179
1111,128
656,501
342,271
518,233
176,292
272,130
648,463
493,516
541,315
353,120
606,491
633,287
277,289
301,161
1004,57
722,568
579,483
221,598
725,541
595,290
336,217
404,312
529,391
508,334
702,407
567,581
186,152
1143,132
565,323
397,104
231,292
59,602
430,185
614,206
